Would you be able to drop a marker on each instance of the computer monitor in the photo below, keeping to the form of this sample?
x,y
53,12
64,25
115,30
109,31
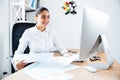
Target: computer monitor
x,y
94,24
94,30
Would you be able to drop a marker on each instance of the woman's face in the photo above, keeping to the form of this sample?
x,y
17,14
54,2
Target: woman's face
x,y
43,19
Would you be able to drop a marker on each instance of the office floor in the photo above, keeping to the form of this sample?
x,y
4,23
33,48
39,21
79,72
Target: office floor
x,y
111,74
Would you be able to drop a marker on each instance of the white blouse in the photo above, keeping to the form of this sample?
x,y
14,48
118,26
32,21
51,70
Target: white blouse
x,y
39,42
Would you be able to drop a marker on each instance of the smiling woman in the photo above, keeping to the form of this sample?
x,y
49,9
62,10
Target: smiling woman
x,y
40,38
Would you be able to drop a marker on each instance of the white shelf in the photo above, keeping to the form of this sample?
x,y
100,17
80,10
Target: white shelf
x,y
20,7
28,9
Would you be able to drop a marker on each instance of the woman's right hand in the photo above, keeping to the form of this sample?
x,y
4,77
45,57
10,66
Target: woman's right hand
x,y
20,64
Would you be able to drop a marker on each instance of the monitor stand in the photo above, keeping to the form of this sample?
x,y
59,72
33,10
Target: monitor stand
x,y
109,60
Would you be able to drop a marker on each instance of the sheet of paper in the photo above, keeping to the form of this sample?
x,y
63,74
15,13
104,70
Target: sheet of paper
x,y
34,57
38,69
47,64
62,61
43,69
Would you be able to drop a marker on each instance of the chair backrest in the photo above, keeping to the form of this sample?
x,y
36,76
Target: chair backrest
x,y
18,29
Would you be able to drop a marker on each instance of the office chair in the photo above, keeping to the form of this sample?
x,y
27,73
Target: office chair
x,y
18,29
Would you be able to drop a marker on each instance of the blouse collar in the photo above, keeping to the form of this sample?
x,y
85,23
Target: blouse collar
x,y
46,30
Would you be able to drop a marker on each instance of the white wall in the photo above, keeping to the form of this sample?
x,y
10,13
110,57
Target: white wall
x,y
4,37
69,26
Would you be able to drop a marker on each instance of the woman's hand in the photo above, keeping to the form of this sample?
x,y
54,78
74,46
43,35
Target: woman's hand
x,y
20,64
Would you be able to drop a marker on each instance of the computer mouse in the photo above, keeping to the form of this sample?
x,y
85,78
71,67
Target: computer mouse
x,y
91,69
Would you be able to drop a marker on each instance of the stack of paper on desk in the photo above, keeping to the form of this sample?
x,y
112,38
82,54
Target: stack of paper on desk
x,y
38,72
50,67
60,61
41,71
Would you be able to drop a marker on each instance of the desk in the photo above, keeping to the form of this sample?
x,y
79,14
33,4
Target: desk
x,y
79,74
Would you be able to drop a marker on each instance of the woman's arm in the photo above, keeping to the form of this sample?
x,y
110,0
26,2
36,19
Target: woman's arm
x,y
23,42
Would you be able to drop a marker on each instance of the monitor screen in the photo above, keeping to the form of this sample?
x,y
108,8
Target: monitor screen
x,y
94,23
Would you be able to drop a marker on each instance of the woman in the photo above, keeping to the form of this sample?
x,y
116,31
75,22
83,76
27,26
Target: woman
x,y
40,38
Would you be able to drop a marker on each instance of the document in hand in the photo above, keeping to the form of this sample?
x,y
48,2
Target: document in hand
x,y
48,58
34,57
